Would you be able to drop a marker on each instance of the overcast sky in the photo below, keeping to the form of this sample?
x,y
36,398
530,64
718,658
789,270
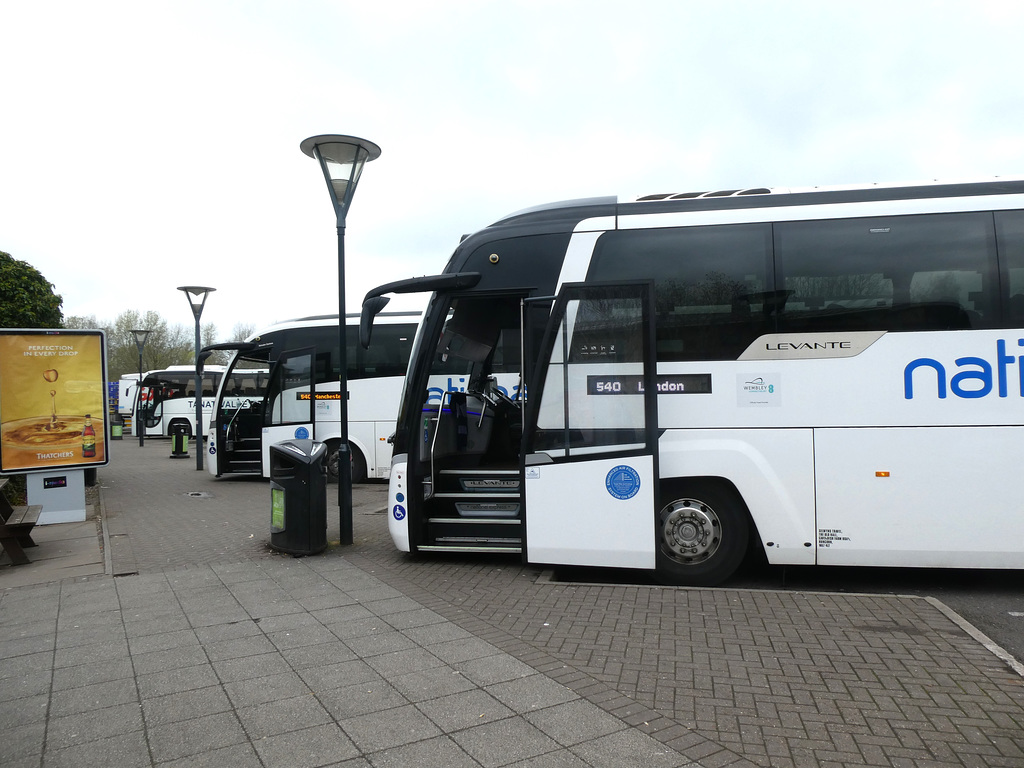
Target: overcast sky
x,y
149,145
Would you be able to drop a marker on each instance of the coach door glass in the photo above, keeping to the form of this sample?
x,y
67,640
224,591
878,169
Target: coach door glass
x,y
289,403
592,431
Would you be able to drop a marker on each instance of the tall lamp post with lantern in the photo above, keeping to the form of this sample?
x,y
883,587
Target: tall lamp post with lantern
x,y
342,159
196,295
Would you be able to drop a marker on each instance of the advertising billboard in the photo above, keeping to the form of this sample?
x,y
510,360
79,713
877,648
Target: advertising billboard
x,y
53,399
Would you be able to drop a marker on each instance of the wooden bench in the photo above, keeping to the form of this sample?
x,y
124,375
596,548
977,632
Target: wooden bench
x,y
16,524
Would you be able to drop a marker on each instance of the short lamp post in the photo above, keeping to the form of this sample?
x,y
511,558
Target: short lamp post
x,y
196,295
342,159
138,423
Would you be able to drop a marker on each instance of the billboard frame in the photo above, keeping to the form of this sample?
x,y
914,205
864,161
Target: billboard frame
x,y
30,353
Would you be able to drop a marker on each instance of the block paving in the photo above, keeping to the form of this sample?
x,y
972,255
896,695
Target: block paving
x,y
200,645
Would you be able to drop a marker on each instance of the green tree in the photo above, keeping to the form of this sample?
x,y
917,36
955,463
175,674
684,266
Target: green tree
x,y
166,345
207,336
242,331
27,299
84,322
208,333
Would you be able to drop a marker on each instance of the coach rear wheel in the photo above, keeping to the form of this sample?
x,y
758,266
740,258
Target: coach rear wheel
x,y
702,536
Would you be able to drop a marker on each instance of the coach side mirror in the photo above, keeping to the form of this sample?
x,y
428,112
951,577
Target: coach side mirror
x,y
371,307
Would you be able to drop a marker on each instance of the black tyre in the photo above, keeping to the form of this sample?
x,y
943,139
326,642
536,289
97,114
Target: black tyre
x,y
357,462
358,465
703,532
331,462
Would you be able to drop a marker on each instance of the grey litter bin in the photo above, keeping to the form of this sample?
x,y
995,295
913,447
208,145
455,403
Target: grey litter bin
x,y
298,497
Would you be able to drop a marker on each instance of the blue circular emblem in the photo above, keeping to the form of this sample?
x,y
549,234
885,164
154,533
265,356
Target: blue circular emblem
x,y
399,497
622,482
301,433
399,512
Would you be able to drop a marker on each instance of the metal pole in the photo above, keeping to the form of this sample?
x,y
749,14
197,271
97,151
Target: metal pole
x,y
199,404
138,423
344,457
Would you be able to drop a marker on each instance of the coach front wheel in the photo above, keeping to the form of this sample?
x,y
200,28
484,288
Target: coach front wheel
x,y
358,465
357,462
702,534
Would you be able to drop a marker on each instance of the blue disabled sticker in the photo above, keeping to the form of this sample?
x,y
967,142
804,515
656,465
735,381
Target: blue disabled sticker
x,y
622,482
301,433
399,512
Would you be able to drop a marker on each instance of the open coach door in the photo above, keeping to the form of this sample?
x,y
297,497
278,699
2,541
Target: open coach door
x,y
227,451
289,407
590,460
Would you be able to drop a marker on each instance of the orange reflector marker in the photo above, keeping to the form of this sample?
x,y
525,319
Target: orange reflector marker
x,y
881,474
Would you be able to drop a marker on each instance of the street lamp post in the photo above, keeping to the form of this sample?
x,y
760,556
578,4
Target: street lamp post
x,y
196,295
342,159
138,424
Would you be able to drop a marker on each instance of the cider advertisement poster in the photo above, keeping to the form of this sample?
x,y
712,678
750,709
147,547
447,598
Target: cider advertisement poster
x,y
53,404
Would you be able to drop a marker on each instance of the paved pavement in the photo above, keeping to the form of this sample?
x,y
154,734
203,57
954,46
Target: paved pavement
x,y
168,633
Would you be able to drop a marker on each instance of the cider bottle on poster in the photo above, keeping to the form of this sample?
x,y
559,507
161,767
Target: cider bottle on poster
x,y
88,439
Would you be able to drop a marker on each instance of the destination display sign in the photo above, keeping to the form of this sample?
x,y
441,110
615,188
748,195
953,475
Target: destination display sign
x,y
668,384
319,396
